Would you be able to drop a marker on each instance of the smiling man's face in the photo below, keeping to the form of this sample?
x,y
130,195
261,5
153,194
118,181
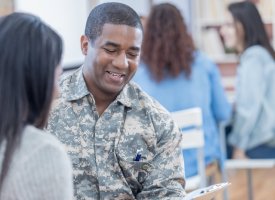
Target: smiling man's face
x,y
112,60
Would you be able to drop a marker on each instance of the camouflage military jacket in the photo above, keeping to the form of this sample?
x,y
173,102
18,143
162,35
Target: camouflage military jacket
x,y
103,149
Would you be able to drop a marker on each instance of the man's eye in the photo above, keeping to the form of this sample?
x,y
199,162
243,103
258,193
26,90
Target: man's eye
x,y
132,54
110,50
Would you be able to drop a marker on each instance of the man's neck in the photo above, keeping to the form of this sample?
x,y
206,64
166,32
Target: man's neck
x,y
102,103
102,100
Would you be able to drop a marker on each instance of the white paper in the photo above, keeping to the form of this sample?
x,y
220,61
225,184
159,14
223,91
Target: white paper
x,y
206,193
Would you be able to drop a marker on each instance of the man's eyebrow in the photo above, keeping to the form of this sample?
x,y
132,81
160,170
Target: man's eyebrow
x,y
108,43
135,48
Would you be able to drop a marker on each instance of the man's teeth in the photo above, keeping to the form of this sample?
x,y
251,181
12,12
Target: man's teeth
x,y
114,74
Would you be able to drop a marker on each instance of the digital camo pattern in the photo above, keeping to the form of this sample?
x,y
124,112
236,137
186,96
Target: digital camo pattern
x,y
102,148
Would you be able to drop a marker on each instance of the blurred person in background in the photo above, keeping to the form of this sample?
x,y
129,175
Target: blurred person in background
x,y
34,165
181,77
253,128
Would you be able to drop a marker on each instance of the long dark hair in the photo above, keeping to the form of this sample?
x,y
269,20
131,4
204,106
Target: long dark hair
x,y
167,46
30,51
255,33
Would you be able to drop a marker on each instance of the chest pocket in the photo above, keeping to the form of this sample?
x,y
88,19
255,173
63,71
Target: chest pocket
x,y
135,173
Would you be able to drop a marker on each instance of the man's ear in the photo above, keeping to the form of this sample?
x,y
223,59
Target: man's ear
x,y
84,42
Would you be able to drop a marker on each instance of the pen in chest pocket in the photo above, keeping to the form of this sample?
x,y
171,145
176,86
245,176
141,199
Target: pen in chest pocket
x,y
138,155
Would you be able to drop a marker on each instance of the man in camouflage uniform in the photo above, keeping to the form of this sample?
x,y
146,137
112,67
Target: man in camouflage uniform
x,y
122,143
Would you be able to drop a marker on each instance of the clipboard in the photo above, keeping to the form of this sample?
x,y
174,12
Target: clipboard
x,y
207,193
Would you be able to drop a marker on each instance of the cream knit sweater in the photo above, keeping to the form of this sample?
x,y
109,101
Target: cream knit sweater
x,y
40,169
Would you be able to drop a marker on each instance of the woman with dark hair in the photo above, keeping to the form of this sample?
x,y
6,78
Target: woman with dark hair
x,y
34,165
181,77
253,133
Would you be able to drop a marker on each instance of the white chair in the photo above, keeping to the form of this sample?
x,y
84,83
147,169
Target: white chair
x,y
190,123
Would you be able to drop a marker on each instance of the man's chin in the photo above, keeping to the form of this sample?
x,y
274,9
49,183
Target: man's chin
x,y
114,91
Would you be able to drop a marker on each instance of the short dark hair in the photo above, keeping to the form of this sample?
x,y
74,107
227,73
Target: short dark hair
x,y
29,54
255,33
111,13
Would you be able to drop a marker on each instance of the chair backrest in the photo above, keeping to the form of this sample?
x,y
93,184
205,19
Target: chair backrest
x,y
190,123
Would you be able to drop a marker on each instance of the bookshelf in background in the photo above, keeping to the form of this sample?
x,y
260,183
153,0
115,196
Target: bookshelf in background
x,y
212,14
209,16
6,7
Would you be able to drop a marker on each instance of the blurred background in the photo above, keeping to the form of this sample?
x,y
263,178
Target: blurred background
x,y
204,19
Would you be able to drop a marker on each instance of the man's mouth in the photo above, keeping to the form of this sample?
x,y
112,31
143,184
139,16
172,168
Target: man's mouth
x,y
115,74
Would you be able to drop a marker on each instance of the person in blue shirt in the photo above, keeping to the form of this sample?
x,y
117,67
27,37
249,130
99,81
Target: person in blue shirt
x,y
181,77
253,134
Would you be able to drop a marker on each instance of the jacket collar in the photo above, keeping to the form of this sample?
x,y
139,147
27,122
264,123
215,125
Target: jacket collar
x,y
76,89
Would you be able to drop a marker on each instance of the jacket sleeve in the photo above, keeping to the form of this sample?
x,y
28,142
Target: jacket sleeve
x,y
166,181
250,88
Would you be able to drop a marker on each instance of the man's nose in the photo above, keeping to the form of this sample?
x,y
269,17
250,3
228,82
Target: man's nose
x,y
121,61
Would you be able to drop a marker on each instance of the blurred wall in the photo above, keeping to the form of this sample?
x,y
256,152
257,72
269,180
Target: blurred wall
x,y
142,7
67,17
